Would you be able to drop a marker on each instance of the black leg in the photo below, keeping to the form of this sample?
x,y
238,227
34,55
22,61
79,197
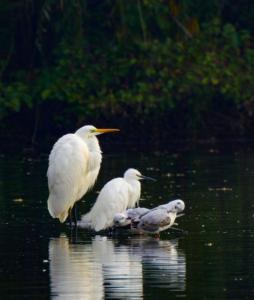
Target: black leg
x,y
109,231
70,217
75,214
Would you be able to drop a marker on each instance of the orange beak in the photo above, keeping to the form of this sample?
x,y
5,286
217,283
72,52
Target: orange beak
x,y
106,130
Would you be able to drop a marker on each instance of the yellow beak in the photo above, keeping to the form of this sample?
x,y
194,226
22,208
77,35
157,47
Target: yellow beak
x,y
106,130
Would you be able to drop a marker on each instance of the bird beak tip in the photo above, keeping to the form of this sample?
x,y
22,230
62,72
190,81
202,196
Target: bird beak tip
x,y
107,130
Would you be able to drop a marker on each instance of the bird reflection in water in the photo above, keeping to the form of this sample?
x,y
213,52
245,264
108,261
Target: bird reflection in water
x,y
74,274
113,268
164,264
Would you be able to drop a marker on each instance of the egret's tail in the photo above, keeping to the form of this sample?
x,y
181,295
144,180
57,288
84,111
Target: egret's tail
x,y
50,206
93,221
54,212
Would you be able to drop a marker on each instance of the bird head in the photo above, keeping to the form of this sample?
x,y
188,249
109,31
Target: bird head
x,y
89,131
176,206
121,219
133,174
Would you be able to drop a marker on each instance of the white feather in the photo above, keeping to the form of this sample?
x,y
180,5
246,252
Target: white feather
x,y
74,164
115,197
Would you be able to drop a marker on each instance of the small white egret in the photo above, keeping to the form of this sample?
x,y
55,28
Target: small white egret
x,y
74,164
160,218
115,197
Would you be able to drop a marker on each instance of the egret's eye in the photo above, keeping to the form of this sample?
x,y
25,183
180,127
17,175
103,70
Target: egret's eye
x,y
92,132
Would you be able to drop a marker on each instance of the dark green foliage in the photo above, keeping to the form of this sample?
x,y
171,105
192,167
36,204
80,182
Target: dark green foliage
x,y
151,61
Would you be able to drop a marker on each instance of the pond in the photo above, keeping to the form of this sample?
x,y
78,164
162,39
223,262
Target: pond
x,y
42,259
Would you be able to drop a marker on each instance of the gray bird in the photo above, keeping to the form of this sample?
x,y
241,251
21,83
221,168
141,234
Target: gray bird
x,y
160,218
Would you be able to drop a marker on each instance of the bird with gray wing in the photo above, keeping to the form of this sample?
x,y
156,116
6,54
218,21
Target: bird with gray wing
x,y
160,218
128,217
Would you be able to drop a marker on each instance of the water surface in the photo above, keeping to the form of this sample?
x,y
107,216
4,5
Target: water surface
x,y
41,259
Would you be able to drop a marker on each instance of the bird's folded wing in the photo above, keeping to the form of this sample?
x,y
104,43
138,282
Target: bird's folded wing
x,y
67,173
156,217
112,199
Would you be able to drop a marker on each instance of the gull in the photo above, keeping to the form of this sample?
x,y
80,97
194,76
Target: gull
x,y
160,218
130,216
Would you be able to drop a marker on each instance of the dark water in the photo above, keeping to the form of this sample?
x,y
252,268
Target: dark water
x,y
41,259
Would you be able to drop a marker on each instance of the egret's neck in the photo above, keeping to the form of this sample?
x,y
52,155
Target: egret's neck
x,y
133,182
135,191
93,144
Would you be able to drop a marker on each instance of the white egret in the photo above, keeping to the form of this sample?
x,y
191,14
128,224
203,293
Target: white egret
x,y
74,164
115,197
161,217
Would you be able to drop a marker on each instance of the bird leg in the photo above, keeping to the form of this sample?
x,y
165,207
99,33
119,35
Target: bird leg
x,y
70,217
75,214
110,231
74,235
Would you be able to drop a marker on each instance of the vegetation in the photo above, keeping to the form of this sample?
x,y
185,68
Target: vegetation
x,y
183,66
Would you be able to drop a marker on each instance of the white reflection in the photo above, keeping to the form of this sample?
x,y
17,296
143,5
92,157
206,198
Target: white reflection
x,y
164,265
122,270
117,270
80,271
74,274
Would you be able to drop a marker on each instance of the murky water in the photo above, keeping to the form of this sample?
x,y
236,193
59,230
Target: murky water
x,y
41,259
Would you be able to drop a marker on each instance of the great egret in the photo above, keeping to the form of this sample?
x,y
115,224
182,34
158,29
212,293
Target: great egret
x,y
161,217
74,164
115,197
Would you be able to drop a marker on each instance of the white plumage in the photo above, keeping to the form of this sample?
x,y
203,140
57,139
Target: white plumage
x,y
115,197
74,164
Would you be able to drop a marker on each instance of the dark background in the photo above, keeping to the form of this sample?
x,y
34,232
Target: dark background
x,y
158,70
